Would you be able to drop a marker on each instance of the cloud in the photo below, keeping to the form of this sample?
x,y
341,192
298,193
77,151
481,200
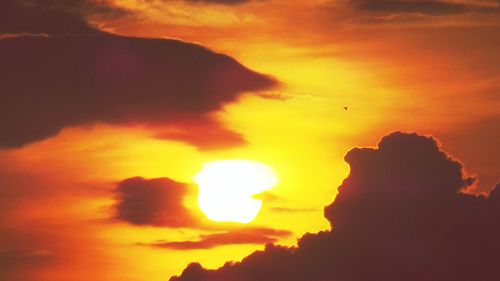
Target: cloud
x,y
32,17
52,16
293,210
428,7
156,202
159,202
241,236
191,130
76,75
399,215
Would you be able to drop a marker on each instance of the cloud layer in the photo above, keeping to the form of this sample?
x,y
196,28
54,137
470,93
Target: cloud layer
x,y
33,17
399,215
239,236
428,7
70,74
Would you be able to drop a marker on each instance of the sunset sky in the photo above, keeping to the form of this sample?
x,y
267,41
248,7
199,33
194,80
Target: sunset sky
x,y
109,108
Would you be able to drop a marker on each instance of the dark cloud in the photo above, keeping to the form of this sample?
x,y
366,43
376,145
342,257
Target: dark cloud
x,y
157,202
32,17
242,236
77,75
429,7
52,16
399,215
81,7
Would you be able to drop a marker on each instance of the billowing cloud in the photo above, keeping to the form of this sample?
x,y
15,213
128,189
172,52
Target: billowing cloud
x,y
241,236
71,74
428,7
157,202
399,215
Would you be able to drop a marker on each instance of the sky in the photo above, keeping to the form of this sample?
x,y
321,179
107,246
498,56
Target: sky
x,y
379,118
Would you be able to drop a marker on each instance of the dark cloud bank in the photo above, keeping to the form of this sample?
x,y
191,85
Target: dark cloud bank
x,y
57,71
399,215
427,7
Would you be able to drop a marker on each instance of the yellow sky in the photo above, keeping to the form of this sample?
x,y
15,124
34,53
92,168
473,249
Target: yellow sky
x,y
395,77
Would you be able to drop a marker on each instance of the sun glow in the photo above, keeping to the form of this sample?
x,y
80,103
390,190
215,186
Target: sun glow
x,y
226,189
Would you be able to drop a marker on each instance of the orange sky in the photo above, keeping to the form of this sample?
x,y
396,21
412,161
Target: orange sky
x,y
427,71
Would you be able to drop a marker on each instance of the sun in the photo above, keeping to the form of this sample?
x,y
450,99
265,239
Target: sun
x,y
226,189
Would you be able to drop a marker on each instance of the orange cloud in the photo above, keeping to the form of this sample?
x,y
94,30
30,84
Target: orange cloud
x,y
234,237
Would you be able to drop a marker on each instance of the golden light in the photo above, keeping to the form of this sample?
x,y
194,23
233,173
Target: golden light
x,y
226,189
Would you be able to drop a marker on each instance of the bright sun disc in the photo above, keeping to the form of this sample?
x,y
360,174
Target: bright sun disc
x,y
226,188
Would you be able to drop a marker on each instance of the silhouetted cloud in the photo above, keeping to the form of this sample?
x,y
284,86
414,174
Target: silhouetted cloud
x,y
429,7
241,236
31,17
155,202
399,215
76,75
